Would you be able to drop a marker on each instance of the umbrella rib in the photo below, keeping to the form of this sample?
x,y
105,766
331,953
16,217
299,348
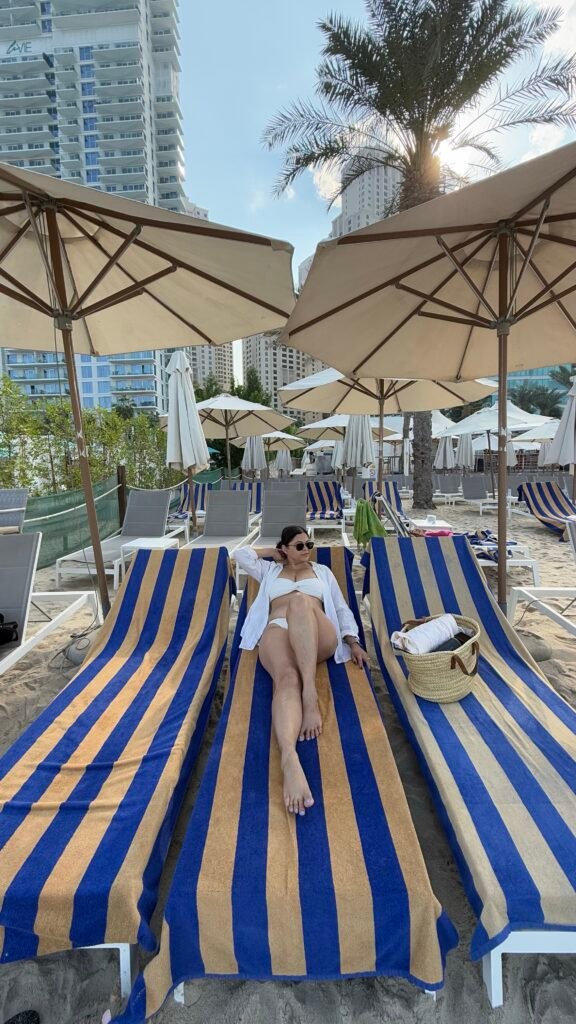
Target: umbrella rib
x,y
471,331
160,302
545,194
75,292
17,208
454,319
546,288
548,237
124,295
466,277
543,280
14,240
140,244
480,320
27,291
416,310
112,261
32,214
547,302
19,297
149,222
527,258
386,284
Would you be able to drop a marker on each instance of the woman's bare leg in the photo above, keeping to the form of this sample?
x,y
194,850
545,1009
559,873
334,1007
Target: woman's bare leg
x,y
277,658
312,639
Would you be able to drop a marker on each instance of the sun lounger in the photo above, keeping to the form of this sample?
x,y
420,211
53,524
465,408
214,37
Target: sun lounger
x,y
146,516
549,504
18,561
227,522
184,510
500,763
255,488
389,490
280,510
537,597
13,501
259,893
90,792
324,505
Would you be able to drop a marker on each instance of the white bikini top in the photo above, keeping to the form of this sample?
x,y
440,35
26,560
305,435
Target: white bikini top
x,y
311,587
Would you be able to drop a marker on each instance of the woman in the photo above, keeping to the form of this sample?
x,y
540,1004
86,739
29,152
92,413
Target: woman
x,y
299,618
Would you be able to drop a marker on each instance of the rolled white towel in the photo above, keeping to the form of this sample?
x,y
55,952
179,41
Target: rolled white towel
x,y
427,637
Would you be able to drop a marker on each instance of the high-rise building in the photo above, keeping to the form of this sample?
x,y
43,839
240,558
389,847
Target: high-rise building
x,y
89,93
212,361
367,199
278,365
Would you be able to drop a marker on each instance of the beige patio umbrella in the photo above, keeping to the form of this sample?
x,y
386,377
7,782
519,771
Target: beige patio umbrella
x,y
99,274
331,391
227,416
478,281
333,428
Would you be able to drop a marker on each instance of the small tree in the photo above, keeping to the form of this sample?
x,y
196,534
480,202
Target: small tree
x,y
18,426
538,399
125,407
561,375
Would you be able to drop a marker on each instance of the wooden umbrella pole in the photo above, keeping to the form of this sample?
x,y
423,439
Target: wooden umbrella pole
x,y
503,331
380,435
64,325
191,497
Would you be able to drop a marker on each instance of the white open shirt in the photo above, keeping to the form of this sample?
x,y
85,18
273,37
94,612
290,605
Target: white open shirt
x,y
335,606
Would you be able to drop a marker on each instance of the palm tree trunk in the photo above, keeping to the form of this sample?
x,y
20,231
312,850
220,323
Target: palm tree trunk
x,y
422,454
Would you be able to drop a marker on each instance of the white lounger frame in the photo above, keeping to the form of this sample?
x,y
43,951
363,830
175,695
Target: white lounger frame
x,y
534,596
521,942
76,564
77,601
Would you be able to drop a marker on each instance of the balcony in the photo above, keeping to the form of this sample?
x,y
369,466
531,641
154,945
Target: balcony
x,y
124,13
120,87
120,105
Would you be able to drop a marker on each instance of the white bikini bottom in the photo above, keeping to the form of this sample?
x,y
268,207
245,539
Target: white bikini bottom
x,y
283,623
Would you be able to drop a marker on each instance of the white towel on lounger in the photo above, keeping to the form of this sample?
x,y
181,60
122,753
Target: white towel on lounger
x,y
427,637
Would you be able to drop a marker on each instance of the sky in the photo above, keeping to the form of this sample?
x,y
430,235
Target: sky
x,y
241,63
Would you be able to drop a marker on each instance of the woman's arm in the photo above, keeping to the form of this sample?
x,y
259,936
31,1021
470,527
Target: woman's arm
x,y
250,560
347,623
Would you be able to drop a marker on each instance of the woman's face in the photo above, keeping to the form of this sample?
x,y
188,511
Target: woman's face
x,y
295,556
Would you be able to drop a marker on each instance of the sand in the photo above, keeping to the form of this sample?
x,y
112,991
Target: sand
x,y
77,987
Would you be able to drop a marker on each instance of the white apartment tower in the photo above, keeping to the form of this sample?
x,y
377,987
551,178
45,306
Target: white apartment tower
x,y
212,361
366,200
89,93
277,365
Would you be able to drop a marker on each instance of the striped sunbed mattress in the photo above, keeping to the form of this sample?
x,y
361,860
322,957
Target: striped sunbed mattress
x,y
90,792
324,500
259,893
255,489
549,504
389,490
501,762
200,497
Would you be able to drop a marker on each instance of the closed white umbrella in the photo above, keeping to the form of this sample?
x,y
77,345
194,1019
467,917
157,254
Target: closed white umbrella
x,y
186,446
511,460
406,455
562,451
337,460
543,453
444,454
283,461
465,452
358,447
254,455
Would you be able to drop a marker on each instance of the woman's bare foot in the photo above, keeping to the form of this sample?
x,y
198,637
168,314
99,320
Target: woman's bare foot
x,y
297,795
311,717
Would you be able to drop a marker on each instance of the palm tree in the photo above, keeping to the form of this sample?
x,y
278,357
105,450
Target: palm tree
x,y
538,398
561,375
421,78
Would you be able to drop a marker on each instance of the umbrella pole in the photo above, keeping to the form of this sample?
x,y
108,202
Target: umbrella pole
x,y
65,326
491,463
503,331
191,498
380,435
228,459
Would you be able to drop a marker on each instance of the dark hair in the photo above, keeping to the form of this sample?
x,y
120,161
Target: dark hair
x,y
288,534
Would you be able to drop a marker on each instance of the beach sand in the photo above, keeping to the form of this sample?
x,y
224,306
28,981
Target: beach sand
x,y
77,987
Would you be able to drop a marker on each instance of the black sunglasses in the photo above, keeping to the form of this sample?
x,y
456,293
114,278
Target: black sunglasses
x,y
302,544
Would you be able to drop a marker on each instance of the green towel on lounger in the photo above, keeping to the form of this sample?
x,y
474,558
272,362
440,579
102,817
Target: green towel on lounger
x,y
366,523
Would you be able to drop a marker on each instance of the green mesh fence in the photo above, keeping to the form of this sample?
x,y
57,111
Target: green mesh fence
x,y
63,522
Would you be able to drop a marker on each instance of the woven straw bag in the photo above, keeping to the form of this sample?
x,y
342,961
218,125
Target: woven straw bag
x,y
443,676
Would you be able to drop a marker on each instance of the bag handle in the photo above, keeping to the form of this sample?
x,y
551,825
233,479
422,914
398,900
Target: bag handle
x,y
457,660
